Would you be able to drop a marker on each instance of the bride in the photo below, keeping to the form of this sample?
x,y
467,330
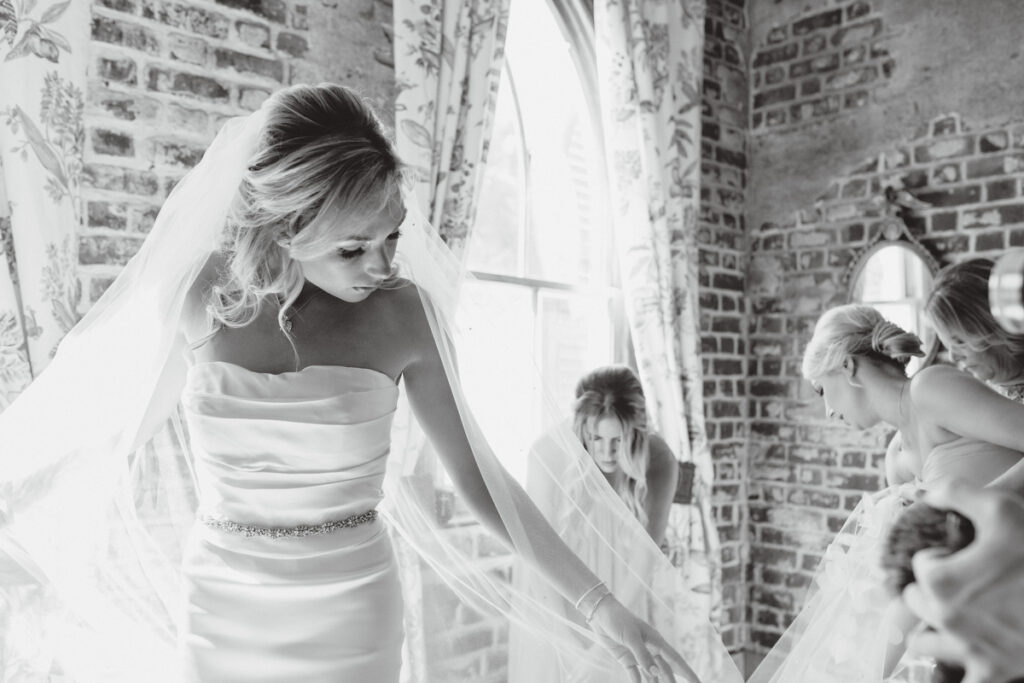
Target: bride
x,y
266,336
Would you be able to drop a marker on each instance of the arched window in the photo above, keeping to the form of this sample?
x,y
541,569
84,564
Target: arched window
x,y
541,247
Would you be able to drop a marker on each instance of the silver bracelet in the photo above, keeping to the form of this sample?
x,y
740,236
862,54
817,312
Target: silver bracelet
x,y
588,602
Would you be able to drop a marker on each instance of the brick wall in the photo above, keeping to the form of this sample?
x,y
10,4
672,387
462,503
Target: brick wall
x,y
808,472
164,75
723,246
882,129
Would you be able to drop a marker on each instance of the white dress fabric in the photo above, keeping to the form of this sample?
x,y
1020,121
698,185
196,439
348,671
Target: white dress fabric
x,y
841,635
651,587
104,576
282,451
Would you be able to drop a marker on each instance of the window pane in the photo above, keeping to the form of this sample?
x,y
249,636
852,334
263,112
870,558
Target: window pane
x,y
497,235
576,337
502,396
565,237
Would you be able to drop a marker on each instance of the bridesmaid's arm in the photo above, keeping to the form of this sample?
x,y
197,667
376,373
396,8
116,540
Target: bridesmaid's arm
x,y
662,477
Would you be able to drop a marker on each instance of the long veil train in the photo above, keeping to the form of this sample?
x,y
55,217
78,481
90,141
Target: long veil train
x,y
97,495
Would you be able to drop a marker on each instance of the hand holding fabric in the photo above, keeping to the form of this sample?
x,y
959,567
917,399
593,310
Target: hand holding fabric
x,y
975,597
635,644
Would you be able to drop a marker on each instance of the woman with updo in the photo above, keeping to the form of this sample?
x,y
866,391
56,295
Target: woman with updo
x,y
953,426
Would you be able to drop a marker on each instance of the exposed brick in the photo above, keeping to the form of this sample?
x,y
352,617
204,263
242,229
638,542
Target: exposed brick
x,y
112,143
857,9
1001,165
183,118
99,249
126,34
990,241
126,6
253,34
293,44
857,33
779,34
300,18
855,100
179,83
274,10
188,49
727,281
850,78
121,70
817,22
815,44
994,142
943,222
110,215
249,64
775,55
117,179
954,197
175,153
1016,238
943,149
1001,189
994,216
251,98
123,106
855,55
189,18
953,244
812,86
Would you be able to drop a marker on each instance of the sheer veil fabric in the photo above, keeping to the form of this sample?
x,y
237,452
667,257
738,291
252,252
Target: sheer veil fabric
x,y
97,494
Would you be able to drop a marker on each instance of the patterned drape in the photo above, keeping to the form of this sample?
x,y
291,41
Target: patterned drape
x,y
43,46
649,62
448,60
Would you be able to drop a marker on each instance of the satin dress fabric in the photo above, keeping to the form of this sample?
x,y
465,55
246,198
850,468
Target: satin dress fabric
x,y
283,450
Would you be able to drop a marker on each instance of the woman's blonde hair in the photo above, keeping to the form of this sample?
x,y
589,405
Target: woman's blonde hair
x,y
857,330
615,392
958,308
322,148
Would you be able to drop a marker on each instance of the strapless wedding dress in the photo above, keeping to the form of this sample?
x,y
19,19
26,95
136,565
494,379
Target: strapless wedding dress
x,y
269,595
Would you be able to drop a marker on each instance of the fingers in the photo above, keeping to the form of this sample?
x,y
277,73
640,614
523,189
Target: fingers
x,y
638,648
937,646
670,656
664,670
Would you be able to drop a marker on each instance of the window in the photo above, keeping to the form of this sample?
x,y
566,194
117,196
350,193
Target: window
x,y
541,247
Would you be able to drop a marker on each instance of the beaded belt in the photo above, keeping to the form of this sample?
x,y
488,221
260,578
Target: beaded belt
x,y
290,531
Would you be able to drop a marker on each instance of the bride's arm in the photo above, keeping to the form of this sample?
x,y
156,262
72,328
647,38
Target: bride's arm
x,y
433,402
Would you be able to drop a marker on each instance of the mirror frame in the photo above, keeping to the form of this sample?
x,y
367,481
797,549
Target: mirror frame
x,y
892,232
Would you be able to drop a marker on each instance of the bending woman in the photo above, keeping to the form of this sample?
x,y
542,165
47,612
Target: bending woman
x,y
953,426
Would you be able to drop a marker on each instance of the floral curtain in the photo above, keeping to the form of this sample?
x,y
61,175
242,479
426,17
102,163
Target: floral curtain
x,y
448,60
43,45
649,64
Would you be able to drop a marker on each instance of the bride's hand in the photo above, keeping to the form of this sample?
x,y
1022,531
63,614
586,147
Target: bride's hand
x,y
635,644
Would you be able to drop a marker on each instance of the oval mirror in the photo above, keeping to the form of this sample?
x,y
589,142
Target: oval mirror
x,y
895,278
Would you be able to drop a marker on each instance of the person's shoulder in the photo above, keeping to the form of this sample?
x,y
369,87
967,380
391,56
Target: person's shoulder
x,y
659,449
938,384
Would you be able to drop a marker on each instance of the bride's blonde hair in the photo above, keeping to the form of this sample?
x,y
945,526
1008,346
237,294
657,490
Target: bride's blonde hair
x,y
857,330
615,392
321,148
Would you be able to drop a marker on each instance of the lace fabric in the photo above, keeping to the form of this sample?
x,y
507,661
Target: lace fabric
x,y
97,491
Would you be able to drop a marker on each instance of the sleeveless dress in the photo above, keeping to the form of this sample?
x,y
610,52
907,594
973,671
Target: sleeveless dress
x,y
841,634
281,451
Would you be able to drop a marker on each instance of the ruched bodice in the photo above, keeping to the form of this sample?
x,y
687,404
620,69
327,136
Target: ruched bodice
x,y
275,452
977,462
288,449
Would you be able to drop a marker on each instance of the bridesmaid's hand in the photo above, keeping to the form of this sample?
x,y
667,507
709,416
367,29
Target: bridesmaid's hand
x,y
635,644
